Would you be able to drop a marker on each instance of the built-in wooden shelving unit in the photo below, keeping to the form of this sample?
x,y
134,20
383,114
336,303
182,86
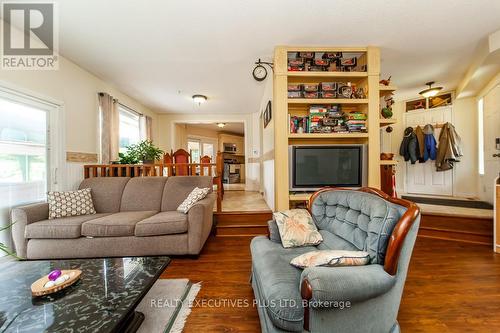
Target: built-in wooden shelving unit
x,y
388,162
367,78
327,101
387,122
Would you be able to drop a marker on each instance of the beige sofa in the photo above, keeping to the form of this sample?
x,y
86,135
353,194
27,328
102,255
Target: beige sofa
x,y
135,217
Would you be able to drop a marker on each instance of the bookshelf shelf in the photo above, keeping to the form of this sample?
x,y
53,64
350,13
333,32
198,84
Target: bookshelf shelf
x,y
388,162
327,101
327,135
328,74
387,122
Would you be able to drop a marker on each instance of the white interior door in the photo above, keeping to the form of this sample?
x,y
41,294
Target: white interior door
x,y
491,132
422,178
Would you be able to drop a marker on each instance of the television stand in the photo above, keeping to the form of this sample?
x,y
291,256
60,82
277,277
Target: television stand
x,y
300,196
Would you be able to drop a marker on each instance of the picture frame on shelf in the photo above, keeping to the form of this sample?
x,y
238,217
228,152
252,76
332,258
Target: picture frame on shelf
x,y
267,115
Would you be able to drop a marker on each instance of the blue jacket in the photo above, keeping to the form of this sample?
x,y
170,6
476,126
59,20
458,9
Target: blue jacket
x,y
430,150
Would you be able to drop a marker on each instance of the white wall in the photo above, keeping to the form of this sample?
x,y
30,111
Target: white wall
x,y
267,154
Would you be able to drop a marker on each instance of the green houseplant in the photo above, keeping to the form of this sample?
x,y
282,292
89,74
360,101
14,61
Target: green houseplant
x,y
4,248
145,151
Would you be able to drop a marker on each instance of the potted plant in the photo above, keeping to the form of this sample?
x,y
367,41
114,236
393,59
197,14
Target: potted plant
x,y
4,248
145,151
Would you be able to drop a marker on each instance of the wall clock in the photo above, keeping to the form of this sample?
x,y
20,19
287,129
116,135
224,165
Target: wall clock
x,y
259,73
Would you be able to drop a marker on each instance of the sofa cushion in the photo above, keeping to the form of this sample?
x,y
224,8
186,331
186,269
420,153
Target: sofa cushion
x,y
362,220
106,192
70,203
279,282
164,223
64,227
143,193
178,188
115,225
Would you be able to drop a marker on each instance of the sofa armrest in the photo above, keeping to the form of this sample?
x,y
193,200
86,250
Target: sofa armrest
x,y
353,283
200,219
21,217
274,233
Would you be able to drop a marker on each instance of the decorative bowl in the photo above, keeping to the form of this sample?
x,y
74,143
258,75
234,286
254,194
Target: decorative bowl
x,y
44,286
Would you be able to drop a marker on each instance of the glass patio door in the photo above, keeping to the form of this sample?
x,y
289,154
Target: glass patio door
x,y
24,154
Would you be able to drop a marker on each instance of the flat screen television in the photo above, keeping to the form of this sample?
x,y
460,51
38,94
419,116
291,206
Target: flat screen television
x,y
314,167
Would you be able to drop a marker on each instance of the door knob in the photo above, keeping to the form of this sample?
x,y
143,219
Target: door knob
x,y
496,155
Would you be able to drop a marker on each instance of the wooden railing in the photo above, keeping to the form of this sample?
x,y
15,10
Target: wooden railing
x,y
159,170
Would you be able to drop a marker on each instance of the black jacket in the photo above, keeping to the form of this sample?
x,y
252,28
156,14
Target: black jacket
x,y
409,146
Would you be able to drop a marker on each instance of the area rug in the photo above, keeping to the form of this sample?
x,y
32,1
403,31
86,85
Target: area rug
x,y
449,202
167,305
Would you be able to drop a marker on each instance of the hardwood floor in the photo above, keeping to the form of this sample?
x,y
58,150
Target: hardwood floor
x,y
451,287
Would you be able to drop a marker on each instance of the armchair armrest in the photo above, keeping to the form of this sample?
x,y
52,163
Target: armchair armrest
x,y
354,283
200,218
21,217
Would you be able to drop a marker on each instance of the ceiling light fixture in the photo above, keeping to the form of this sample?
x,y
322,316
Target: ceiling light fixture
x,y
199,99
431,91
221,125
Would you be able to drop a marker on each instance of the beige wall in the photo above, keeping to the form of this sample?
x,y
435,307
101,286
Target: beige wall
x,y
77,89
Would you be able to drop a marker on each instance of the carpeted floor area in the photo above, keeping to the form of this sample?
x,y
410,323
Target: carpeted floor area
x,y
167,305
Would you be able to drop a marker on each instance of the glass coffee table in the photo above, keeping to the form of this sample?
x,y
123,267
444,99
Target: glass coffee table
x,y
103,300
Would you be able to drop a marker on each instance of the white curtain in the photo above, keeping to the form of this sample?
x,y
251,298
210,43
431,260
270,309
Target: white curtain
x,y
146,123
110,131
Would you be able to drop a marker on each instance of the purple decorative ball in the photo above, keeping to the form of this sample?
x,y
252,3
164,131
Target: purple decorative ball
x,y
54,274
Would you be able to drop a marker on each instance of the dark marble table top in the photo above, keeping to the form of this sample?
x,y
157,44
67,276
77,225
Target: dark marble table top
x,y
108,291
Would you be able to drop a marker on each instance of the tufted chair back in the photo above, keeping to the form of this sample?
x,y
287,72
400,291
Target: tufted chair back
x,y
354,220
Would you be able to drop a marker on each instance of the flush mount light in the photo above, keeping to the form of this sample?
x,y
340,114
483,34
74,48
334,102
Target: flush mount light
x,y
431,91
221,125
199,99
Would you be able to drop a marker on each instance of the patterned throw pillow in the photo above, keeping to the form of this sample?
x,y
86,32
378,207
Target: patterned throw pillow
x,y
331,258
297,228
196,195
70,203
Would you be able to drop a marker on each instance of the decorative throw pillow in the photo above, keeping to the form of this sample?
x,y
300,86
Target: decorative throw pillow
x,y
70,203
196,195
297,228
331,258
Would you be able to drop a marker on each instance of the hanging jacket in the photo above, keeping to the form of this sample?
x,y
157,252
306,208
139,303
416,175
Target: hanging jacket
x,y
409,146
430,150
421,144
449,149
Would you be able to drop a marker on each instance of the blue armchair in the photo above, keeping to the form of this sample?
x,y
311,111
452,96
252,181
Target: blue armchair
x,y
338,299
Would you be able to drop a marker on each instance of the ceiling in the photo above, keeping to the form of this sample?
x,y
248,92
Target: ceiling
x,y
163,52
231,128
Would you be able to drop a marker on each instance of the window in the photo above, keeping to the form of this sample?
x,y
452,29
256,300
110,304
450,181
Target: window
x,y
208,150
480,133
130,129
195,150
